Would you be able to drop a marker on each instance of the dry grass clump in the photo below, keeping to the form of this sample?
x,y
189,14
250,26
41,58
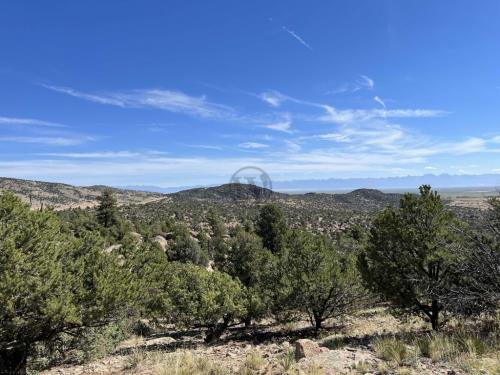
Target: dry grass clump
x,y
447,347
392,350
469,351
287,360
465,349
137,358
362,367
186,363
254,363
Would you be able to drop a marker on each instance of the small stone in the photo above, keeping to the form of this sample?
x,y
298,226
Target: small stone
x,y
305,348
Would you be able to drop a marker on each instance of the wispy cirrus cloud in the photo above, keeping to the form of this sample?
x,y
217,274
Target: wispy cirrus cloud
x,y
168,100
93,155
297,37
372,151
48,140
365,81
362,83
343,116
292,146
282,125
378,100
28,122
253,145
273,98
207,147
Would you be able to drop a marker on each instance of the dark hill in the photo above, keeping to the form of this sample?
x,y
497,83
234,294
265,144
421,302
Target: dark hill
x,y
228,192
369,195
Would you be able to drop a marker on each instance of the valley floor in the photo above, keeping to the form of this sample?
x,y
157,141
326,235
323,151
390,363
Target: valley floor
x,y
371,342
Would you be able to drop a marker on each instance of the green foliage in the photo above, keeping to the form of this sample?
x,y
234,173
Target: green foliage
x,y
410,252
80,346
50,281
111,223
324,282
107,214
149,267
271,227
476,290
250,263
79,221
184,248
200,297
217,245
494,214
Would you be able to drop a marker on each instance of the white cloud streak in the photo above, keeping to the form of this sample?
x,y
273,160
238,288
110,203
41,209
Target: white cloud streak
x,y
283,126
379,101
363,82
94,155
366,81
297,37
273,98
345,116
253,145
168,100
52,141
28,122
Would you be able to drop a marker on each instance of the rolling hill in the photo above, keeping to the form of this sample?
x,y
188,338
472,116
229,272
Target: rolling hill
x,y
62,196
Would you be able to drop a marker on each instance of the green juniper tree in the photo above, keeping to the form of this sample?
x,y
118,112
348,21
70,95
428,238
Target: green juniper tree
x,y
184,248
477,288
149,266
50,282
324,282
249,262
204,299
271,227
217,245
410,254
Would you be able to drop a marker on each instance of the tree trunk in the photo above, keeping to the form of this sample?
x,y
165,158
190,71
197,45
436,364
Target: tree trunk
x,y
214,333
318,322
434,315
13,361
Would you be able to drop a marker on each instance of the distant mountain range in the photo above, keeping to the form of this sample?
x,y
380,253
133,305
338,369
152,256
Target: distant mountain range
x,y
490,181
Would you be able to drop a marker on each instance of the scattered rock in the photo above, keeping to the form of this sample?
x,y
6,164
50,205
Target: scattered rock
x,y
112,248
162,241
305,348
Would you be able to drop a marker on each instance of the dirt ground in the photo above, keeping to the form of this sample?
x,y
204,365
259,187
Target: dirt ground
x,y
346,347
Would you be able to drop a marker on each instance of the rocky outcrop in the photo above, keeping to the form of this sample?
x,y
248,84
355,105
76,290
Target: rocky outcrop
x,y
162,241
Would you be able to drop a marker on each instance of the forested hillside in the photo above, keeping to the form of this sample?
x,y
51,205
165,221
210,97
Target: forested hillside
x,y
237,274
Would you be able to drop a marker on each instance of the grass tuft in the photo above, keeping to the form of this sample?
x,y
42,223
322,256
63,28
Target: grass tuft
x,y
391,350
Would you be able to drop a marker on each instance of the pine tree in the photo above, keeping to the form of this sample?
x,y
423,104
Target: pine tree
x,y
107,213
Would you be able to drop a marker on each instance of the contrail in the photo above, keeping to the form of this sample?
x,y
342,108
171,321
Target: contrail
x,y
296,36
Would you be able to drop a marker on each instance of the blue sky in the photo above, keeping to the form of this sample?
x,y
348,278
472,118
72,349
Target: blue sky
x,y
187,92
